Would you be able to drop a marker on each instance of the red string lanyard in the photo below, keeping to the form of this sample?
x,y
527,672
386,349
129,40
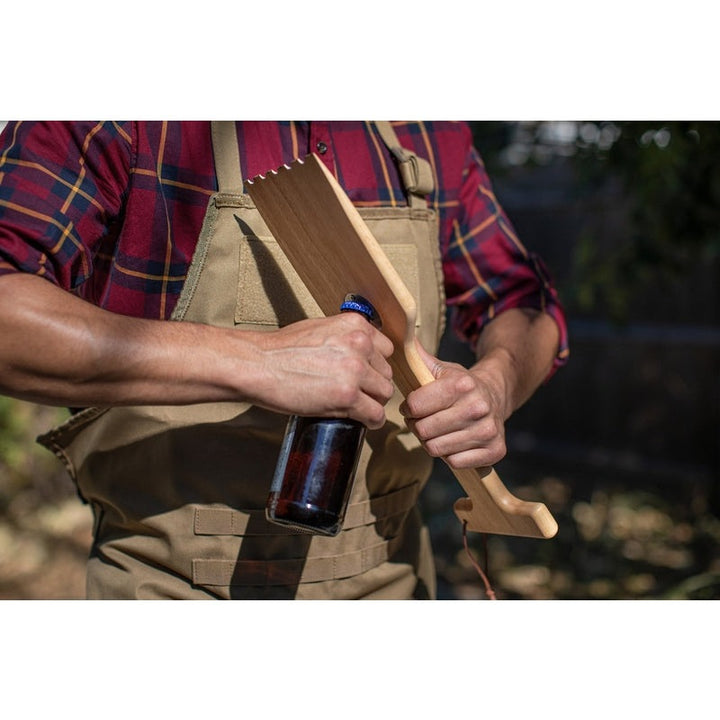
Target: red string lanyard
x,y
488,588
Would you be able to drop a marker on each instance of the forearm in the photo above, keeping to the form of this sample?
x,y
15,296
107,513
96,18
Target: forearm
x,y
60,350
57,349
515,354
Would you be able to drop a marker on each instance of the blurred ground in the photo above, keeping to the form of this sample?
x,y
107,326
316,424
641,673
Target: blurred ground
x,y
622,535
43,552
44,528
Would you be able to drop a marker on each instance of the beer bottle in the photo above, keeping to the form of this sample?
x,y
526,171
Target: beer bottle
x,y
317,462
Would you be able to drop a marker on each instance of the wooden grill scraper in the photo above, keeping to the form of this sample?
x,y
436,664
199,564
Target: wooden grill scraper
x,y
333,252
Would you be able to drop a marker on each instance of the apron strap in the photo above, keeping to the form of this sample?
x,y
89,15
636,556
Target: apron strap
x,y
227,157
416,172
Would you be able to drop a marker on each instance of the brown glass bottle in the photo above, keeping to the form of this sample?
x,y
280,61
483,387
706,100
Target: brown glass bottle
x,y
317,463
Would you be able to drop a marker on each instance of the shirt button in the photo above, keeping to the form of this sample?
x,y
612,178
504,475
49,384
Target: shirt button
x,y
321,147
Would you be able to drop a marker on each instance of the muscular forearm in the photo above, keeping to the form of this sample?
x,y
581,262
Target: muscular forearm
x,y
60,350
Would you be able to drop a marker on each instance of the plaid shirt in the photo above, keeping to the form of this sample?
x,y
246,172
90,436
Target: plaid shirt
x,y
112,210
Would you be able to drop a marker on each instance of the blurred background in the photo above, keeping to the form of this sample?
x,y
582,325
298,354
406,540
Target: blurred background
x,y
621,445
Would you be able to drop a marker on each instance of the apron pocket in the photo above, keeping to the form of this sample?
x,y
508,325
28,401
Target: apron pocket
x,y
270,292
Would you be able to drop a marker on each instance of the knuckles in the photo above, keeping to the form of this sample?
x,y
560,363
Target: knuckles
x,y
354,368
432,447
464,384
376,419
360,342
347,395
388,391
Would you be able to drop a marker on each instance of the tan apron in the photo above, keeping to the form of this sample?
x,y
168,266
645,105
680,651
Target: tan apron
x,y
178,493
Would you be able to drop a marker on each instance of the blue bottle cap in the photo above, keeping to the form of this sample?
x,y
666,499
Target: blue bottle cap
x,y
357,303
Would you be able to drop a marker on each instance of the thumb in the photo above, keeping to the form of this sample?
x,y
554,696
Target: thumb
x,y
434,365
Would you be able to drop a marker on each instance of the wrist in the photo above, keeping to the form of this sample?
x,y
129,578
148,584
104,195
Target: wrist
x,y
496,370
235,365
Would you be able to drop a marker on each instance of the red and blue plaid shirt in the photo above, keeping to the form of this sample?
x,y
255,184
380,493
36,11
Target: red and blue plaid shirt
x,y
112,211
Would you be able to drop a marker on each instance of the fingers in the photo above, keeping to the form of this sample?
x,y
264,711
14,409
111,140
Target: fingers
x,y
367,367
334,367
456,417
477,446
360,392
380,347
368,411
368,343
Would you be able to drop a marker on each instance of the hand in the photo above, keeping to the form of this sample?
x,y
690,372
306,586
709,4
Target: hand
x,y
460,417
333,367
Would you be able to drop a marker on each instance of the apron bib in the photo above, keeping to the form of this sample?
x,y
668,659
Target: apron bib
x,y
178,492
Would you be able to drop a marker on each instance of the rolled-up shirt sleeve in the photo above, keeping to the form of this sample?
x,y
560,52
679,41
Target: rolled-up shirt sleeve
x,y
61,191
487,268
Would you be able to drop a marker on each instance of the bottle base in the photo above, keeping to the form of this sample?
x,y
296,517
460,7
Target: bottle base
x,y
308,518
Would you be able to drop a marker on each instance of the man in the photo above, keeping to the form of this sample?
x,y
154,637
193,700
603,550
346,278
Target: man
x,y
110,230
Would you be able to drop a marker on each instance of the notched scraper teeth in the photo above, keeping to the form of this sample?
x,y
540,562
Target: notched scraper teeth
x,y
285,166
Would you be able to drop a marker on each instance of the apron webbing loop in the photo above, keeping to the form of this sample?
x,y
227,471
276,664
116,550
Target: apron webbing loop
x,y
287,572
415,172
227,521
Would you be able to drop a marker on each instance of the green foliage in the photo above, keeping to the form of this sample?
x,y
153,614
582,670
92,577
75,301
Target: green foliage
x,y
672,173
663,176
11,432
670,177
